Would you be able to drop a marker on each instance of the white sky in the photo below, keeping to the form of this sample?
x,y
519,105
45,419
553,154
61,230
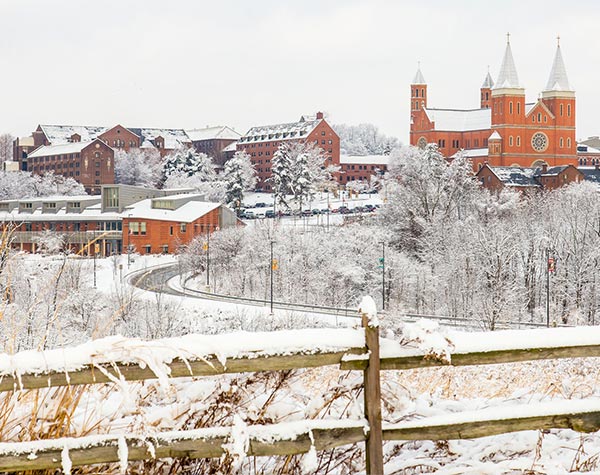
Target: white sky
x,y
192,63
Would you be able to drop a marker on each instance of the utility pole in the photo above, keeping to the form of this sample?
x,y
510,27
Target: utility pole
x,y
95,244
272,268
208,258
550,267
383,274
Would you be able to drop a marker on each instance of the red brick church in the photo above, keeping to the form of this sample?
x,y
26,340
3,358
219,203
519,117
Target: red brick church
x,y
504,130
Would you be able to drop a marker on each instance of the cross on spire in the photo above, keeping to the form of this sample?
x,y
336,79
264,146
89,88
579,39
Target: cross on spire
x,y
558,40
507,38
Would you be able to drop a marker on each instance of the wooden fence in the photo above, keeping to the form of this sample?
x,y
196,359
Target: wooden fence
x,y
210,442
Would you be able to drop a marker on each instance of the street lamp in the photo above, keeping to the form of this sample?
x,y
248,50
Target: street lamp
x,y
382,267
207,249
274,266
550,268
128,240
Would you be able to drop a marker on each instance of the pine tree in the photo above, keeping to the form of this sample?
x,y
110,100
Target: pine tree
x,y
191,163
238,176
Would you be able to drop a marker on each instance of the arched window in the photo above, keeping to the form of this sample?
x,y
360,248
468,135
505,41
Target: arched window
x,y
518,108
568,110
416,93
561,143
561,109
539,116
510,108
510,140
568,143
422,92
518,141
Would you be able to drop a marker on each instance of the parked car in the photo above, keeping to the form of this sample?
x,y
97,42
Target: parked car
x,y
248,215
269,213
260,214
316,211
343,210
260,205
307,212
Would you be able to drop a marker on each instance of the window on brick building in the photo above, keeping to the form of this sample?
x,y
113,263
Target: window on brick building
x,y
148,249
510,140
165,248
561,143
561,109
510,107
518,108
539,117
568,143
171,230
518,141
182,227
97,173
568,110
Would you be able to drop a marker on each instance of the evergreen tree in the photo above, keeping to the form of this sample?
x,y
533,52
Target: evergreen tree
x,y
238,176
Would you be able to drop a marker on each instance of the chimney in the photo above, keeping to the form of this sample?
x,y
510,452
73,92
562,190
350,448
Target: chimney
x,y
319,115
544,168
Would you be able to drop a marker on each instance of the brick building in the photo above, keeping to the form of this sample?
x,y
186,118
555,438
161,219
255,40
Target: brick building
x,y
89,163
362,168
213,141
123,217
528,179
504,130
262,142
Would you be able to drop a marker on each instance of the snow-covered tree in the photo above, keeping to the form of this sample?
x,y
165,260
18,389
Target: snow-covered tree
x,y
6,147
238,176
15,185
364,139
296,169
138,167
191,163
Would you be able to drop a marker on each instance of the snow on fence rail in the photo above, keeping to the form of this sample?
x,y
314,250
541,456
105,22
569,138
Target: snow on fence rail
x,y
117,359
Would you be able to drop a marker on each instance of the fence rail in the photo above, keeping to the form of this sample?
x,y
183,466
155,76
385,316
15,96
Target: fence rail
x,y
211,442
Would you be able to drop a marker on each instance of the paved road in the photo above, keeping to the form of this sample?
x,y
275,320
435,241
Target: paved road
x,y
156,279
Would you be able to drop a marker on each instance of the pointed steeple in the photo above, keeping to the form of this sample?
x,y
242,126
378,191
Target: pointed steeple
x,y
419,79
508,77
558,80
488,82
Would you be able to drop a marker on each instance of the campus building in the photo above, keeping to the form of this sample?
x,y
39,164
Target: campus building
x,y
504,130
214,142
121,218
262,142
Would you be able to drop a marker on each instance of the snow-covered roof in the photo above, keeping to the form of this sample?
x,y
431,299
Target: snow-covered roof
x,y
456,120
558,80
26,141
488,82
507,77
419,79
174,138
232,147
590,174
515,176
584,148
186,213
290,131
529,106
365,159
495,136
61,134
553,171
209,133
65,148
89,213
473,152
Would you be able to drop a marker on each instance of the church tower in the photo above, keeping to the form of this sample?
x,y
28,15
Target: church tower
x,y
508,108
486,91
418,91
559,98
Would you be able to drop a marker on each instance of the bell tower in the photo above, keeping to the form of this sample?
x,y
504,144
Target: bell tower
x,y
418,91
486,91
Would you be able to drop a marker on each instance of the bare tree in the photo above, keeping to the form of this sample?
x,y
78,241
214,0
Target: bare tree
x,y
6,147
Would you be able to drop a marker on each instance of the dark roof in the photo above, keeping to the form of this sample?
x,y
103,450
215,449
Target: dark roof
x,y
515,176
590,174
552,171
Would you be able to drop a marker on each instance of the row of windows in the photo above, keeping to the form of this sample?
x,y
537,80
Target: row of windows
x,y
53,158
416,92
78,226
58,172
467,143
364,167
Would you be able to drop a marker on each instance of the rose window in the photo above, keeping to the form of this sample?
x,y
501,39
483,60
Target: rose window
x,y
539,142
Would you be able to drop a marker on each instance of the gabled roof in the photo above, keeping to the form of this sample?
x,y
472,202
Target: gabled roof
x,y
456,120
472,152
539,103
209,133
61,149
495,136
195,207
60,134
290,131
515,176
419,79
552,171
508,77
558,80
174,138
232,147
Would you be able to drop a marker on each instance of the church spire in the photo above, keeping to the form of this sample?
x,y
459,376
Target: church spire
x,y
508,77
419,79
488,82
558,80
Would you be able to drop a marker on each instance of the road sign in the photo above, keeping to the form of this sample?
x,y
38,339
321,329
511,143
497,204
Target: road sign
x,y
275,264
205,246
551,264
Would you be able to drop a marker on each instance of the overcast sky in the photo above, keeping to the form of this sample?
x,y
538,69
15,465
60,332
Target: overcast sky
x,y
192,63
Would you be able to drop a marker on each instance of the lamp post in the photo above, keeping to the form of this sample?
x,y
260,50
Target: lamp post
x,y
128,240
382,266
272,268
550,268
95,244
208,257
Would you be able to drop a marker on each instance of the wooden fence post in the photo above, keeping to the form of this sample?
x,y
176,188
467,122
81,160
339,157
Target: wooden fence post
x,y
372,391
